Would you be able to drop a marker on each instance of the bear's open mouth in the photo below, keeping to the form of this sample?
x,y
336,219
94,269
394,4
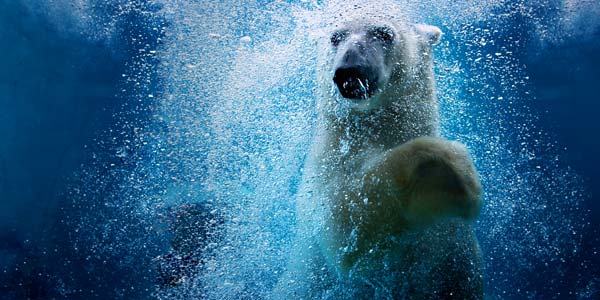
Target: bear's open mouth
x,y
355,83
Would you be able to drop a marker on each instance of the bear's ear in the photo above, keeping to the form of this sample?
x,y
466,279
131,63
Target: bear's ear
x,y
429,33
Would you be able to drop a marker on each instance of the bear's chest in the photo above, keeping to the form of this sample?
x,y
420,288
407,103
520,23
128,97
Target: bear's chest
x,y
357,223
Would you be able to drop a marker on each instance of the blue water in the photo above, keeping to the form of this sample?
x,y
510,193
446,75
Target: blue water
x,y
118,118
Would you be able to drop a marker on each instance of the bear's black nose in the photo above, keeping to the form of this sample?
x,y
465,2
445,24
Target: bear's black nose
x,y
355,82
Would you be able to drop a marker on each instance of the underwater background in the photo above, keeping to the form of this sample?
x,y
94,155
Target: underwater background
x,y
152,149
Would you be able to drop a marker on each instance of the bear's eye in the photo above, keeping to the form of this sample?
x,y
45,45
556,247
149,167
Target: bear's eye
x,y
384,34
337,37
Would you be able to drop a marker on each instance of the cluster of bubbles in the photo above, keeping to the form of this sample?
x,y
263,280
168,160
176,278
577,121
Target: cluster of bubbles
x,y
206,183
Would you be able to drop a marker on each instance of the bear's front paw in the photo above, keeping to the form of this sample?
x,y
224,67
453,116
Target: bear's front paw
x,y
438,177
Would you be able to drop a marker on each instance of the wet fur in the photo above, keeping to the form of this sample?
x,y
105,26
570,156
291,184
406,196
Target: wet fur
x,y
386,205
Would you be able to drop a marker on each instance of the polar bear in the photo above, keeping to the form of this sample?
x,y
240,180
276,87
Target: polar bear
x,y
386,205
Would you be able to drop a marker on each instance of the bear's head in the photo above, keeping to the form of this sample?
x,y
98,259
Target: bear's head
x,y
369,60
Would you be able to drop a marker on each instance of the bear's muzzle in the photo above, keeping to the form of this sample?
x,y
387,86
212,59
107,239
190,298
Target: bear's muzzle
x,y
356,82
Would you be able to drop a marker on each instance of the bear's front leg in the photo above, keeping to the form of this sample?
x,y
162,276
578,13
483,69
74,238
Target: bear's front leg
x,y
432,177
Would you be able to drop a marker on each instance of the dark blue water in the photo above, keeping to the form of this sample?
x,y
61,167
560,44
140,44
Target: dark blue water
x,y
106,133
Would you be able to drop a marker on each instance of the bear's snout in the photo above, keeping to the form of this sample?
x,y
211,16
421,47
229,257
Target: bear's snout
x,y
355,82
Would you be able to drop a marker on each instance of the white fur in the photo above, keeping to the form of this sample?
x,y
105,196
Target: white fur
x,y
385,204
